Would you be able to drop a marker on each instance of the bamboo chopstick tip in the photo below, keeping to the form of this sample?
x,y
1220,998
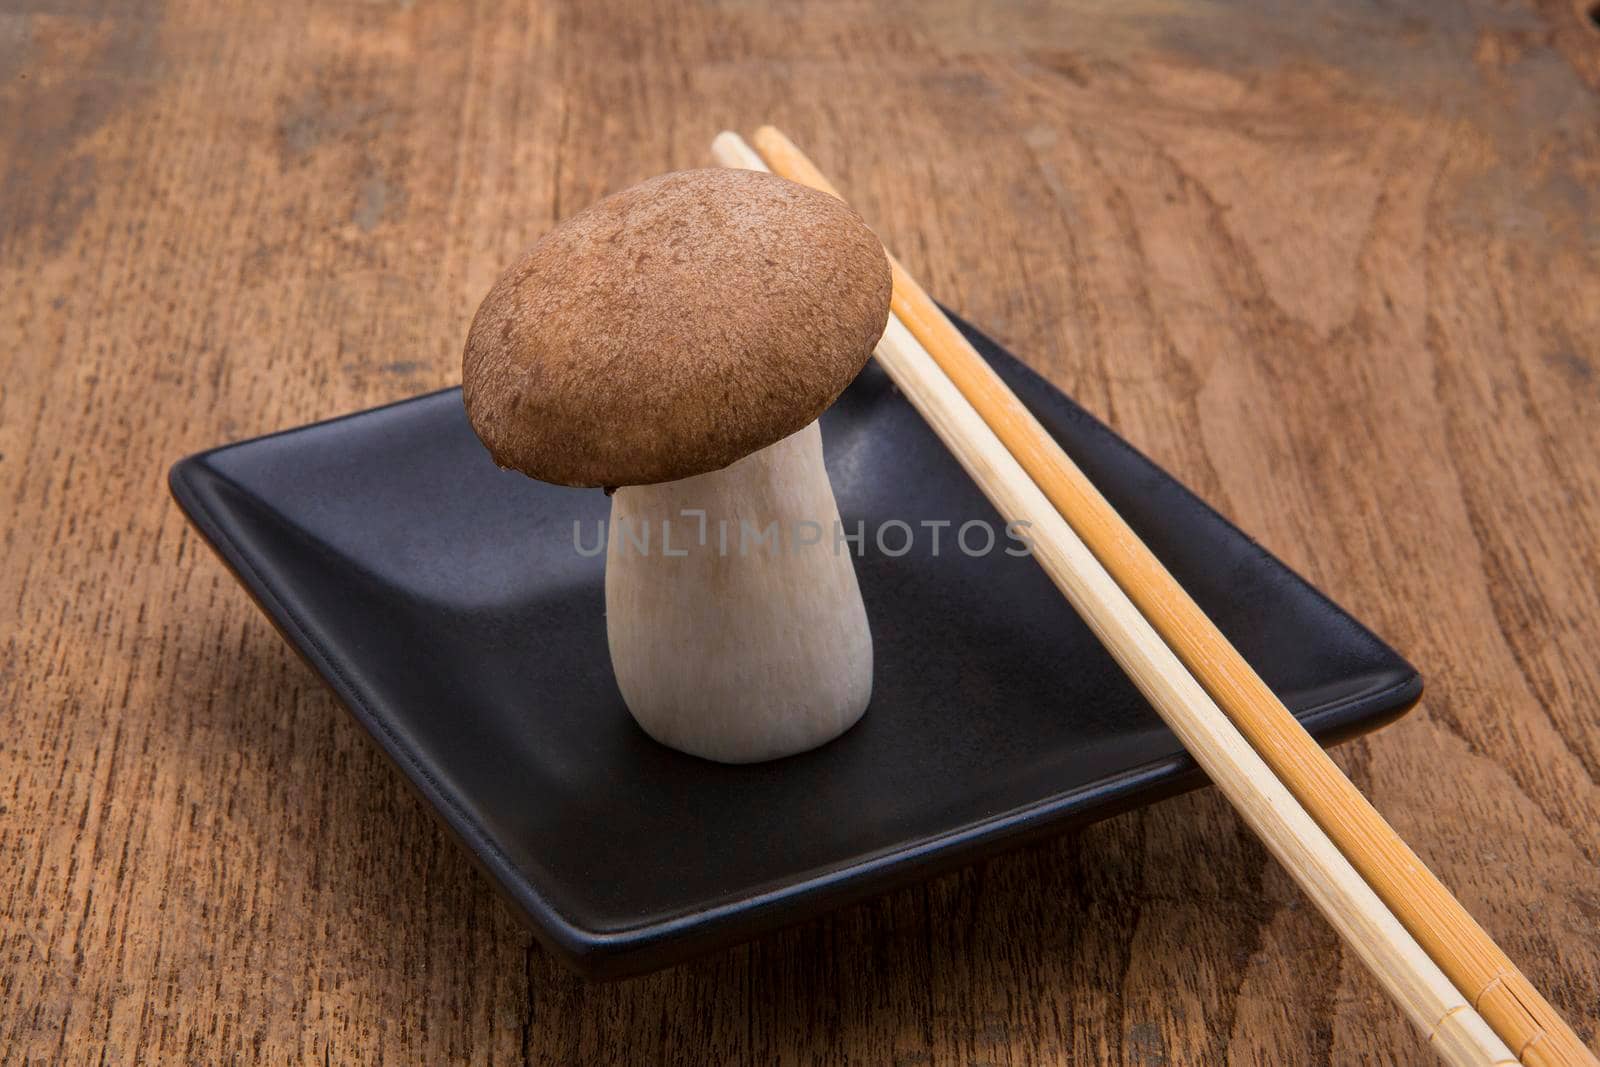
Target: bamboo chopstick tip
x,y
785,158
730,150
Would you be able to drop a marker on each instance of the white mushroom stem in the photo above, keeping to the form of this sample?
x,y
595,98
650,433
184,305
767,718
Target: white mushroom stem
x,y
738,634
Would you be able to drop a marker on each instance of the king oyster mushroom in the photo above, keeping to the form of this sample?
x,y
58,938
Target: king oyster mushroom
x,y
676,342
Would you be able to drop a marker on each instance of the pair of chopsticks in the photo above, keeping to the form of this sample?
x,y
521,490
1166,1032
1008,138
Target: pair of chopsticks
x,y
1462,992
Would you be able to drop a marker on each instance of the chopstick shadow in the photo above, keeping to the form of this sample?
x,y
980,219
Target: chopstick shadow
x,y
1035,946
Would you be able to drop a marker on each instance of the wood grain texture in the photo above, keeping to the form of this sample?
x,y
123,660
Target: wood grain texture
x,y
1337,267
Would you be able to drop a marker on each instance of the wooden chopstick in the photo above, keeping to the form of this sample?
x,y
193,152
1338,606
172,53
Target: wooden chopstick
x,y
1479,968
1486,976
1451,1025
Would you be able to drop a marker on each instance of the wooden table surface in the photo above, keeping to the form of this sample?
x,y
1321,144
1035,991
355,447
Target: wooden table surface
x,y
1336,265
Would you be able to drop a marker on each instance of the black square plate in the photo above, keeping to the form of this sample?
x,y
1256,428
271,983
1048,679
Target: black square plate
x,y
443,600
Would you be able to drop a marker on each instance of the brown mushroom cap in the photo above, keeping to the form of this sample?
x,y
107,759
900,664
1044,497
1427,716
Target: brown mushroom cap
x,y
674,328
